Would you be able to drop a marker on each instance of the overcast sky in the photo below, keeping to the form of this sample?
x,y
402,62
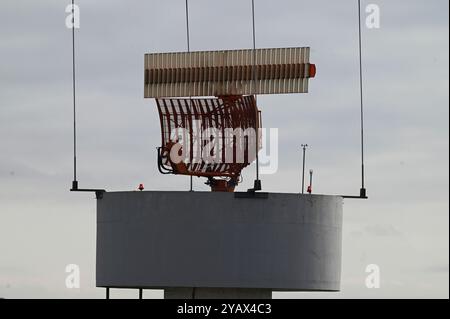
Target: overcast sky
x,y
403,227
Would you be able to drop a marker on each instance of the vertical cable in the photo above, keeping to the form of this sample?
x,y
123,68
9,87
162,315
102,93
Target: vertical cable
x,y
254,46
74,183
304,146
255,81
189,50
362,101
187,27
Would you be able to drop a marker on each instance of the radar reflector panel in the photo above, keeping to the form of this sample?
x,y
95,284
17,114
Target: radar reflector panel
x,y
233,72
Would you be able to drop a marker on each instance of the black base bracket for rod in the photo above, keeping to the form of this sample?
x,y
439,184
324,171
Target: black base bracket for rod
x,y
256,186
354,197
98,192
362,195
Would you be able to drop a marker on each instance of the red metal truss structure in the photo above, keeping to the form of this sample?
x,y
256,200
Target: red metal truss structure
x,y
209,137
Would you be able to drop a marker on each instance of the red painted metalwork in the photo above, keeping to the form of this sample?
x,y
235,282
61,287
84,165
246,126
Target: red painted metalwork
x,y
209,137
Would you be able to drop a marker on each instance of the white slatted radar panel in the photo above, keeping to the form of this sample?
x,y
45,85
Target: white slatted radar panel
x,y
235,72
